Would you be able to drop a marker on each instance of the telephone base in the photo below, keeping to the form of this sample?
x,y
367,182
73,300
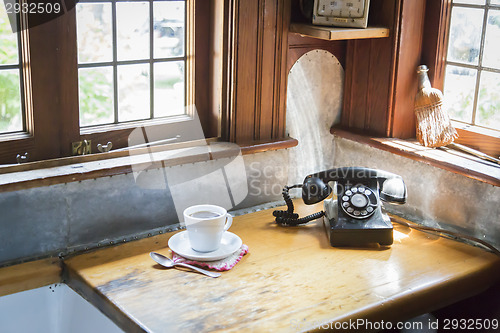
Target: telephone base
x,y
340,236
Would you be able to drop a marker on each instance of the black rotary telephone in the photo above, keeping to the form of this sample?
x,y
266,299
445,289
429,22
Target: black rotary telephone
x,y
355,218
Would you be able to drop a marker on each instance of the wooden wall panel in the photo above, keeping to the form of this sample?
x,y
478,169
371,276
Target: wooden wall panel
x,y
380,99
359,54
283,15
255,36
381,80
266,66
204,63
246,83
435,41
369,75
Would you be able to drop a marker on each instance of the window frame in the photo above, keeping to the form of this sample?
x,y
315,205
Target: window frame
x,y
434,51
52,124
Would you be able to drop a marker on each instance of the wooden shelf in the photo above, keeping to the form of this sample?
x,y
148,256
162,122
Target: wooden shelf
x,y
333,33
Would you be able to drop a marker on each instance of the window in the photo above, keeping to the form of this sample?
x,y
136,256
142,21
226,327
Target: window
x,y
131,60
472,79
11,108
99,70
460,46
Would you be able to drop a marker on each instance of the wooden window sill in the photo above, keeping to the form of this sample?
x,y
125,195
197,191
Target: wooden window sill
x,y
444,158
78,168
483,139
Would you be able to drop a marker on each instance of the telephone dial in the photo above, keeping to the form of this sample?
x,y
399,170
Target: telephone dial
x,y
355,217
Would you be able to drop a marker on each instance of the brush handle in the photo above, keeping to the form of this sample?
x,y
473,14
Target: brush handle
x,y
474,152
423,78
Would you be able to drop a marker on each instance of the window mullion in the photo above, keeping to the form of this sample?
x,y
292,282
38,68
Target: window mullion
x,y
480,65
115,59
151,61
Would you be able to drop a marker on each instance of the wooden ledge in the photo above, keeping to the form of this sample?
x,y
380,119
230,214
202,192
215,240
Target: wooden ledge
x,y
29,275
71,169
262,146
444,158
335,33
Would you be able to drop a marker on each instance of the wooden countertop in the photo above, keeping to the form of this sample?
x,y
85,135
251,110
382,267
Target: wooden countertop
x,y
291,280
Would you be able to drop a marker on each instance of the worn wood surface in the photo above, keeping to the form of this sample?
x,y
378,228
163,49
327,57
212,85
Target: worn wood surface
x,y
291,280
78,168
29,275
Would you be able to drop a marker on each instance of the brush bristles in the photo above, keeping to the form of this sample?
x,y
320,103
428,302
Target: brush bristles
x,y
434,128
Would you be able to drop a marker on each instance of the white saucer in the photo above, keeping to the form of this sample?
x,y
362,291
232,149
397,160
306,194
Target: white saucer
x,y
179,243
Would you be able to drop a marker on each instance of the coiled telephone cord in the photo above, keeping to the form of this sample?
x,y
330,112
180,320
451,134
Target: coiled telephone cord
x,y
288,217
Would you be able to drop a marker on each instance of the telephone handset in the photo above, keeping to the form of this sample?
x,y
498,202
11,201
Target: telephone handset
x,y
355,218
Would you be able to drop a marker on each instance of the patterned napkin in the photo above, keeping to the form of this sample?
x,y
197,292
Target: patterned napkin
x,y
218,265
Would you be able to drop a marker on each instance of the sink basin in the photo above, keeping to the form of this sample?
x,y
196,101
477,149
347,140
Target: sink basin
x,y
53,309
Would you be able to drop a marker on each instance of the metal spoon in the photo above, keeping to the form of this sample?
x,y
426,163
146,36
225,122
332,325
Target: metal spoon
x,y
167,262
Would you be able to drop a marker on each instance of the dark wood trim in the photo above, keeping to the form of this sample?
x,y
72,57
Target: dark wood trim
x,y
435,41
408,59
27,86
47,68
215,74
283,18
229,63
413,150
10,148
69,117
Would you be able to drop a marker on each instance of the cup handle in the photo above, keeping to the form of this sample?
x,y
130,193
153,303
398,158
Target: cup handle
x,y
229,221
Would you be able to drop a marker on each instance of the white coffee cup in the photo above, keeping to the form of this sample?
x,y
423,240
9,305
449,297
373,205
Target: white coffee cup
x,y
205,225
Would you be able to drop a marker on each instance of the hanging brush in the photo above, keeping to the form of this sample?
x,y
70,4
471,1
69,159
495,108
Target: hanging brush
x,y
434,127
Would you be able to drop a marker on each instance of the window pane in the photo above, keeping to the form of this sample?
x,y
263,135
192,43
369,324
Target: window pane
x,y
488,107
459,87
495,2
8,40
471,2
95,37
132,25
169,88
11,118
465,35
96,95
168,29
491,55
133,92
